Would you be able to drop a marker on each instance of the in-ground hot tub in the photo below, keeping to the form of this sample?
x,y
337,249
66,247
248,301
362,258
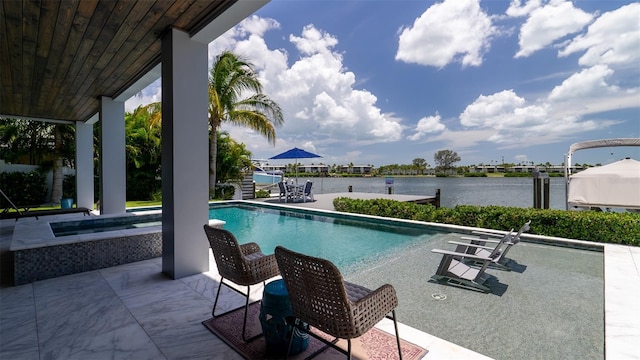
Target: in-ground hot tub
x,y
82,244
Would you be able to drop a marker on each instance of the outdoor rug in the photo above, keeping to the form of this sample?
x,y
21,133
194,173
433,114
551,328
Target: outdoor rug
x,y
375,344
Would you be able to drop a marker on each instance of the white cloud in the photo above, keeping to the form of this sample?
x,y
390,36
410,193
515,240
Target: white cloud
x,y
501,111
548,24
150,94
517,123
450,31
521,158
427,125
614,38
516,9
589,92
587,83
313,41
462,139
316,92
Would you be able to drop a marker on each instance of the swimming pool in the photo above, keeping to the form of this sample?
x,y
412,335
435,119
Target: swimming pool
x,y
549,307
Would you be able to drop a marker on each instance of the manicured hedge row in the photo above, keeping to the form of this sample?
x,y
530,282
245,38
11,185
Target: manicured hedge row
x,y
619,228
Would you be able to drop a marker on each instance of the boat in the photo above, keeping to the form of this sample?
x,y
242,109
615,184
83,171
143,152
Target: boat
x,y
266,177
615,185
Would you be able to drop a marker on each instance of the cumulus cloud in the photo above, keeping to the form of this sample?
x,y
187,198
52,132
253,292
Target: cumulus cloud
x,y
545,25
517,123
503,110
316,92
589,92
450,31
587,83
150,94
517,9
575,105
614,38
427,125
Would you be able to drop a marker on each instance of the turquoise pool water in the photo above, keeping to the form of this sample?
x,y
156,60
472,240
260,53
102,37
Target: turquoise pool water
x,y
90,226
350,244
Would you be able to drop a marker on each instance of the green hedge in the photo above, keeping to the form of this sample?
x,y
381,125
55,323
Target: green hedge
x,y
223,192
23,188
605,227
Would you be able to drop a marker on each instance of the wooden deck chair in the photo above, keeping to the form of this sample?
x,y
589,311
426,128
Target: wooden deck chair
x,y
322,299
243,265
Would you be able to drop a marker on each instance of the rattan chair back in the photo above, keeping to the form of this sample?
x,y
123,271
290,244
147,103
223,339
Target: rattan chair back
x,y
230,261
317,292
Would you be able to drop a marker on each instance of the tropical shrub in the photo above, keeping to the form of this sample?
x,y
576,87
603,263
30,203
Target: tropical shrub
x,y
224,192
69,187
262,194
23,188
604,227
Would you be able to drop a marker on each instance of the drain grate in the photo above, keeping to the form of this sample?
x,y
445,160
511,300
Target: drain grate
x,y
439,296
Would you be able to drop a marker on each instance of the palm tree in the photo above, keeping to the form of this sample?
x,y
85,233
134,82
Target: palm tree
x,y
230,79
143,128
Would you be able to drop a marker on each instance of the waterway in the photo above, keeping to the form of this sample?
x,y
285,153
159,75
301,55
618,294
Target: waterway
x,y
517,192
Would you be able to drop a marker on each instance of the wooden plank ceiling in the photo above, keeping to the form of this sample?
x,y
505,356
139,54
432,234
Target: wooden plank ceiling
x,y
57,58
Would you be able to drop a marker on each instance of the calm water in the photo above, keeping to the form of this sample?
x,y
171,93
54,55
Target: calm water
x,y
516,192
349,244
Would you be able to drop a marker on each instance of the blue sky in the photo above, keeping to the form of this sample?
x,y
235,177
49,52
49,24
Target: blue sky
x,y
385,81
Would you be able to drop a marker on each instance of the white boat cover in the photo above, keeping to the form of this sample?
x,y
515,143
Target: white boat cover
x,y
616,185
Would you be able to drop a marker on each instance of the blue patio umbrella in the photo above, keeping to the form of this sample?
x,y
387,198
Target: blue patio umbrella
x,y
296,154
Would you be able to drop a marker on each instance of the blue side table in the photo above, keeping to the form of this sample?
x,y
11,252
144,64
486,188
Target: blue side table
x,y
276,307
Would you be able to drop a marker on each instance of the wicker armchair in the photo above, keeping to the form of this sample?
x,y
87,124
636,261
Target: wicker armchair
x,y
243,264
322,299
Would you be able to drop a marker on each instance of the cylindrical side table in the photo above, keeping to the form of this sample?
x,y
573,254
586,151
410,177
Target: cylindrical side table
x,y
276,307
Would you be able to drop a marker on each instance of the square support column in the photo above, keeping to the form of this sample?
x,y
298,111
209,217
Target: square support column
x,y
84,165
185,155
113,183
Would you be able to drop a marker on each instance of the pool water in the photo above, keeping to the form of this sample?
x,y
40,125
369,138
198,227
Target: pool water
x,y
350,244
68,228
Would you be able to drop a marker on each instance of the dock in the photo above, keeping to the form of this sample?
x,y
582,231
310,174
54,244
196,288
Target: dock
x,y
325,201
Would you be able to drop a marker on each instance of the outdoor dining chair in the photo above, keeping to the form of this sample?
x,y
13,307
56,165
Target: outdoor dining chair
x,y
320,298
243,265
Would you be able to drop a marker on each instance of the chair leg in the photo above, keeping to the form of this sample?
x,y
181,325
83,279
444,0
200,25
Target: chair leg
x,y
395,325
246,310
215,302
244,324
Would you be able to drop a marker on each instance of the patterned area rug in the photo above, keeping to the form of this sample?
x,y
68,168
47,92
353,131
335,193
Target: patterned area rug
x,y
375,344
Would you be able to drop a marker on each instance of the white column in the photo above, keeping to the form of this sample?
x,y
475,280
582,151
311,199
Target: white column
x,y
84,165
113,168
185,155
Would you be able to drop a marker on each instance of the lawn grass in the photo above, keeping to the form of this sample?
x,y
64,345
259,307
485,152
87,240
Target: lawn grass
x,y
142,203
